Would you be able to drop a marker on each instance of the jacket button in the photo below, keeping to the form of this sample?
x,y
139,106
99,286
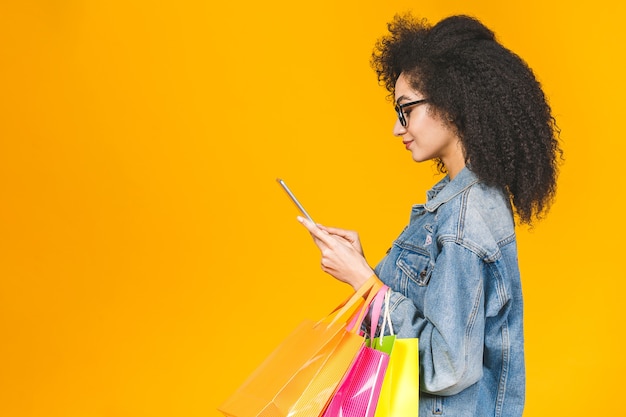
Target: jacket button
x,y
423,274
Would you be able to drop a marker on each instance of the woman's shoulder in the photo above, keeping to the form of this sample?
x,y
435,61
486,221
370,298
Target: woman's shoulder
x,y
480,216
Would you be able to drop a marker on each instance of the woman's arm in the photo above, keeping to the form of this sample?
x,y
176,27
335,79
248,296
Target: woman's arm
x,y
451,326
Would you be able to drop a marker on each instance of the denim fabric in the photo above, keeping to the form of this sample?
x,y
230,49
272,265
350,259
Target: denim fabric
x,y
456,286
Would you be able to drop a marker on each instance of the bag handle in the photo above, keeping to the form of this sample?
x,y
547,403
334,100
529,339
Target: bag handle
x,y
344,310
386,319
357,319
373,297
376,309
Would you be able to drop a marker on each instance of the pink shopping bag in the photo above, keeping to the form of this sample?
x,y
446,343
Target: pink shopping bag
x,y
358,392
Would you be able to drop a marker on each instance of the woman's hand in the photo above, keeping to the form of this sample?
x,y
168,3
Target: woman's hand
x,y
349,235
342,254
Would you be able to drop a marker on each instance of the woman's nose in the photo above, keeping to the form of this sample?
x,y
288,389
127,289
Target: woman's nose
x,y
398,129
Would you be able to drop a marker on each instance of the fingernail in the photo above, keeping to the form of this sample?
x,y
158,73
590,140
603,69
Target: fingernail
x,y
300,219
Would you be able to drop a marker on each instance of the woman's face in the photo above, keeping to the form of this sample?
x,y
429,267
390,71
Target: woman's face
x,y
426,135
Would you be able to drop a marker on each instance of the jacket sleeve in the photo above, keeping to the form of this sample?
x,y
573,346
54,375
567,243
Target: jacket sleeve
x,y
451,327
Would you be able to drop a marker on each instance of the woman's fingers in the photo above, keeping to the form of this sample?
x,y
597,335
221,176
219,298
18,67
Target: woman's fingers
x,y
346,234
349,236
315,231
339,256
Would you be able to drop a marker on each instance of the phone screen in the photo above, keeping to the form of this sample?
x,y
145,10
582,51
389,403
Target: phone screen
x,y
294,199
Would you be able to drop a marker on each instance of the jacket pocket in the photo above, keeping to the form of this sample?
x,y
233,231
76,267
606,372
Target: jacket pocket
x,y
416,266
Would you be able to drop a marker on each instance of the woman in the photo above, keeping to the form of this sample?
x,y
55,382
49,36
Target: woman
x,y
476,109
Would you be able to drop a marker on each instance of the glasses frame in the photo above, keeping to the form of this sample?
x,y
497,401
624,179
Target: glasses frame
x,y
400,110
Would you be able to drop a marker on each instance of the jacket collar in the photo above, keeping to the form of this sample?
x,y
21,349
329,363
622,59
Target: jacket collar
x,y
445,190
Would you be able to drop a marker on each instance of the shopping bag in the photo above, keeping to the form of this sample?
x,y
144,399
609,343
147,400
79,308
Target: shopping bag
x,y
399,394
357,394
298,378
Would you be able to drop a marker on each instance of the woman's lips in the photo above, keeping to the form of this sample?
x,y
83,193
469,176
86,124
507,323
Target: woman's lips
x,y
407,144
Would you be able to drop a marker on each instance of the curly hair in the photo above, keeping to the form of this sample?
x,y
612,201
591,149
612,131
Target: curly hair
x,y
489,95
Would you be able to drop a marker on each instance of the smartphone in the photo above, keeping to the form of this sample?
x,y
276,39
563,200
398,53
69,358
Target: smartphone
x,y
294,199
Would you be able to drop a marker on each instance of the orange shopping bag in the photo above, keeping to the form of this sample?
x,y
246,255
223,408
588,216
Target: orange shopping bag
x,y
298,378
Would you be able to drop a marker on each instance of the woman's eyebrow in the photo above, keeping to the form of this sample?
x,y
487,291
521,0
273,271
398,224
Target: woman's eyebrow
x,y
401,98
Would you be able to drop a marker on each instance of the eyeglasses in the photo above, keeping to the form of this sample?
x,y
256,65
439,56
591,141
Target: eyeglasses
x,y
400,110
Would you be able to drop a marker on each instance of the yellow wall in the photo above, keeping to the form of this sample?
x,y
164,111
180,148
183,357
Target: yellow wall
x,y
149,261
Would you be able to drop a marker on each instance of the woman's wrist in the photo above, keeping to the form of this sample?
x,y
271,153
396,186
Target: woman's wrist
x,y
364,278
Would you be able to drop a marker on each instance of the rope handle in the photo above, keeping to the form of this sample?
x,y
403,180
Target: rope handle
x,y
386,318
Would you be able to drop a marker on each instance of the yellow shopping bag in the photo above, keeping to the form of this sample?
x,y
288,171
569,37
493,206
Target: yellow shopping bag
x,y
399,395
299,377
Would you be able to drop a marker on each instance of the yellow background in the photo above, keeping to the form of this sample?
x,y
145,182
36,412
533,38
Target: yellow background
x,y
149,261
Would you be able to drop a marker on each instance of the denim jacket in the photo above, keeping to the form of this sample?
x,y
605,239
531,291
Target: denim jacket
x,y
456,286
